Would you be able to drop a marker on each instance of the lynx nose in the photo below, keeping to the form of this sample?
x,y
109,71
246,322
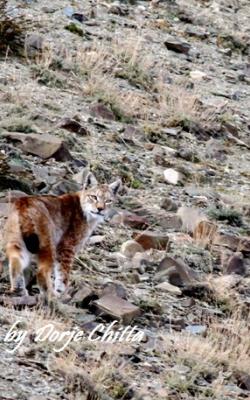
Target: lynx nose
x,y
100,208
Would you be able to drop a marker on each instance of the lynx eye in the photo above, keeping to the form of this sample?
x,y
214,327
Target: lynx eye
x,y
108,202
93,197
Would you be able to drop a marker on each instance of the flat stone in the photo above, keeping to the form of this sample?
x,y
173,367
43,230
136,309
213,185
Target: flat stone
x,y
73,125
167,287
42,145
132,220
117,308
176,271
130,248
171,222
197,75
83,296
177,45
235,243
114,288
151,240
171,131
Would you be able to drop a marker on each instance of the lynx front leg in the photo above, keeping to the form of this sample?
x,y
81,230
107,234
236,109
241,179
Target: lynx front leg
x,y
61,279
65,258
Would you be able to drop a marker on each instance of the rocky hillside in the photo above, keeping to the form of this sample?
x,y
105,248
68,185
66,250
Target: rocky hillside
x,y
156,93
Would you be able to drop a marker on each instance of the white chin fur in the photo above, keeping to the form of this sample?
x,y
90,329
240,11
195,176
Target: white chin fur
x,y
93,216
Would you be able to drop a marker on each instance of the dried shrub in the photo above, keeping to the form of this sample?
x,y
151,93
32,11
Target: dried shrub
x,y
12,31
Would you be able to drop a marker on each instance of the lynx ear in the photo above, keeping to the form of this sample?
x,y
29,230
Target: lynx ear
x,y
116,186
89,181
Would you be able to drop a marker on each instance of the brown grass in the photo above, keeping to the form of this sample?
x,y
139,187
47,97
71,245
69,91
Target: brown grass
x,y
225,348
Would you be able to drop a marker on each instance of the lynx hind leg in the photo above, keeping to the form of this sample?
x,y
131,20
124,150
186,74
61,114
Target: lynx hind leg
x,y
45,265
19,259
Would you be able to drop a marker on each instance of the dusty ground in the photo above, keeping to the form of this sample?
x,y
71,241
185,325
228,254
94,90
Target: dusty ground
x,y
157,109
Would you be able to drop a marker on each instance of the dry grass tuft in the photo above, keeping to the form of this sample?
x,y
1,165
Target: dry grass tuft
x,y
204,233
177,106
213,359
102,376
126,104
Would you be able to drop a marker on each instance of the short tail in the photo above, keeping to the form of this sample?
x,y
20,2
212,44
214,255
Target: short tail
x,y
20,228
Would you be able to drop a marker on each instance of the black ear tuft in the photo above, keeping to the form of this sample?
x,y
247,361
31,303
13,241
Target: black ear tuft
x,y
89,181
116,186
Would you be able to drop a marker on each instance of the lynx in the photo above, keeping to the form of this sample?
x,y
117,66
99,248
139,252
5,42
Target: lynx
x,y
54,228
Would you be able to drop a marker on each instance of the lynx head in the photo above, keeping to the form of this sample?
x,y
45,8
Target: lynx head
x,y
97,199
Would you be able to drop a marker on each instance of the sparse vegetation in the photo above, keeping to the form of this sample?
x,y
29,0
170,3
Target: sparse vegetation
x,y
74,28
24,125
48,77
228,215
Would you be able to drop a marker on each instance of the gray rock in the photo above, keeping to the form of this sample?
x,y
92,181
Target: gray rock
x,y
65,186
188,154
172,176
176,271
169,205
34,45
100,110
41,145
114,288
236,265
196,329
